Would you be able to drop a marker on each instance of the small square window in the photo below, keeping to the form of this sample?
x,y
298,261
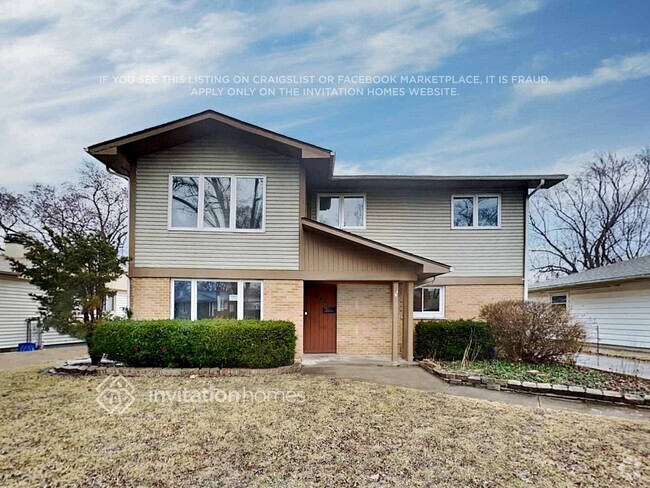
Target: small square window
x,y
328,211
559,301
428,302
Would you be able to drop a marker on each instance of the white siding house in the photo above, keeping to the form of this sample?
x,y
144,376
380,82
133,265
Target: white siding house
x,y
16,305
613,302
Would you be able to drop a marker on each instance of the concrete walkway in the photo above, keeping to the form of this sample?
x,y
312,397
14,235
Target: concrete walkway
x,y
417,378
50,355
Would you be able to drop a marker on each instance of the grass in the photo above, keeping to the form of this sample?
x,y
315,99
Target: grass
x,y
345,433
561,374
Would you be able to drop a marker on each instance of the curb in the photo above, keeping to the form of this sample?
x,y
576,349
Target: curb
x,y
546,389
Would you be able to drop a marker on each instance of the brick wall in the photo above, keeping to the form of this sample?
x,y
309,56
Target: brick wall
x,y
364,319
150,298
464,301
283,300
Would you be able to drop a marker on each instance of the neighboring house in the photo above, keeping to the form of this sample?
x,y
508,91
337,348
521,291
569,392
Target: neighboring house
x,y
16,305
232,220
612,301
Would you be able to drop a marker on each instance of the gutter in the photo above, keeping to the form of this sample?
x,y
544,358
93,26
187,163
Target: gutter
x,y
537,188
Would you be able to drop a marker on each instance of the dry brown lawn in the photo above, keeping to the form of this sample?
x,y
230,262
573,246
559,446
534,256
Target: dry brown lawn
x,y
53,433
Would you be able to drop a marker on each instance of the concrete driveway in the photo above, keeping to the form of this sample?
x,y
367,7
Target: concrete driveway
x,y
415,377
44,357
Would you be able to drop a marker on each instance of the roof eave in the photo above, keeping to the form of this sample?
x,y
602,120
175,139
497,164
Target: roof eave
x,y
588,284
429,267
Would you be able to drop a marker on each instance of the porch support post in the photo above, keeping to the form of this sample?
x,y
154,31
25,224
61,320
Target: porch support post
x,y
395,290
407,321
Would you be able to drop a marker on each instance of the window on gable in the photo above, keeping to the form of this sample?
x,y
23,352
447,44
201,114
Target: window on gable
x,y
232,203
203,299
428,302
476,211
343,211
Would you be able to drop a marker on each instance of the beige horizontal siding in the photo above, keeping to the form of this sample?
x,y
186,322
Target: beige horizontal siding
x,y
419,221
276,248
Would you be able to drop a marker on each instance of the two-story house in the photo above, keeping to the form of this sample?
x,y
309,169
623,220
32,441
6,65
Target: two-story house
x,y
228,219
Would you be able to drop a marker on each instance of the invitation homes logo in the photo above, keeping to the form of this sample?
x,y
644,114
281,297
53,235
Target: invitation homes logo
x,y
116,394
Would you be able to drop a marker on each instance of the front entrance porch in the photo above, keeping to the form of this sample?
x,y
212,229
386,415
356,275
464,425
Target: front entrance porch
x,y
358,293
364,320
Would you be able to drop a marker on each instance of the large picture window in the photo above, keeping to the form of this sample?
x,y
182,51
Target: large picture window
x,y
226,203
342,211
429,302
204,299
476,211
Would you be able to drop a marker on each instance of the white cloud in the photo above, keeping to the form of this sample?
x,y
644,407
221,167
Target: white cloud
x,y
52,54
573,163
452,153
611,70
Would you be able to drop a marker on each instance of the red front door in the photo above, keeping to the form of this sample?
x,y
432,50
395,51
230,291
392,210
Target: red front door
x,y
320,318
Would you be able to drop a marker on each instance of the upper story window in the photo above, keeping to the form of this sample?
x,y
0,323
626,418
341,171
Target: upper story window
x,y
346,211
234,203
429,302
476,212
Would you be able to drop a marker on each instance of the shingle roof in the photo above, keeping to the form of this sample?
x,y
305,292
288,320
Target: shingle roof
x,y
626,270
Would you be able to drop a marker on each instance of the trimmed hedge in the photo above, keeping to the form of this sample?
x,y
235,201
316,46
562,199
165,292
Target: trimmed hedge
x,y
211,343
448,339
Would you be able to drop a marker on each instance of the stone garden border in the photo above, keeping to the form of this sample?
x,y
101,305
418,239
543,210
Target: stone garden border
x,y
547,389
90,370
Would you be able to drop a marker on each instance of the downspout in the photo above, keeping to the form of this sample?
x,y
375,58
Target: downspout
x,y
537,188
128,281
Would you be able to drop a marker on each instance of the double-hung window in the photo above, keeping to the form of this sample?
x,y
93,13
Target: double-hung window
x,y
476,212
227,203
204,299
345,211
429,302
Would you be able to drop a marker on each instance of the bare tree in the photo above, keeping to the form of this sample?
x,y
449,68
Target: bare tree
x,y
601,216
96,203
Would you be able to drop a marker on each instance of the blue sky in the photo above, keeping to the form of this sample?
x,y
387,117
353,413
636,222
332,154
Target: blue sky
x,y
595,54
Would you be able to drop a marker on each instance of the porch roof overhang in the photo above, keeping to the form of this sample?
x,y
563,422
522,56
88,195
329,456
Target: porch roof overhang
x,y
425,267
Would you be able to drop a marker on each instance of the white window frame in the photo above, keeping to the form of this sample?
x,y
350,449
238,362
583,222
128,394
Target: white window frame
x,y
432,315
475,197
559,294
113,300
194,301
201,209
342,197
